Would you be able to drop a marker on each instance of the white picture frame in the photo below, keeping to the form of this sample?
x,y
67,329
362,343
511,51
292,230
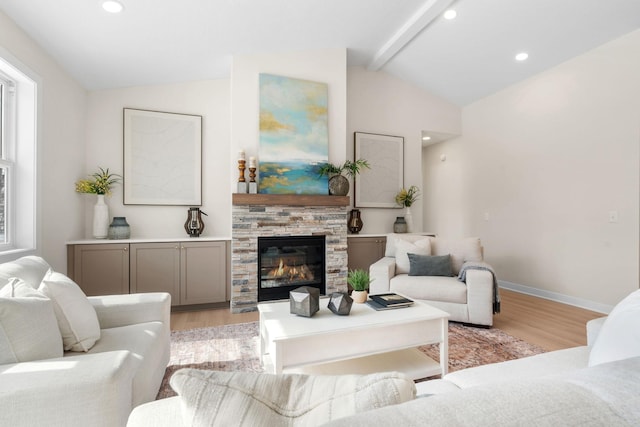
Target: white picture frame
x,y
377,187
162,158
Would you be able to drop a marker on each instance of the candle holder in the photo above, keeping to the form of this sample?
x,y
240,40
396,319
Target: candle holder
x,y
242,184
253,185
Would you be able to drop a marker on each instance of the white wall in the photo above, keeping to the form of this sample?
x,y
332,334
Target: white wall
x,y
546,160
322,65
61,144
380,103
104,139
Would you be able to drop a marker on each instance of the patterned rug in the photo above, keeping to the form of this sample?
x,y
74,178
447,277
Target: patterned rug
x,y
236,348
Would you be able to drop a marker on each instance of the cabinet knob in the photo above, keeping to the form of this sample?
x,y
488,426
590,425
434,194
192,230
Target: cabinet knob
x,y
177,247
125,249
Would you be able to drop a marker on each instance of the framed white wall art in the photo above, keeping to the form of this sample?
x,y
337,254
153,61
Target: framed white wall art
x,y
162,158
377,187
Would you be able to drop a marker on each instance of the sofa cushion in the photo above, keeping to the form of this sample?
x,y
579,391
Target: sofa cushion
x,y
28,327
461,250
404,248
31,269
430,265
394,238
435,288
235,398
149,349
77,319
619,337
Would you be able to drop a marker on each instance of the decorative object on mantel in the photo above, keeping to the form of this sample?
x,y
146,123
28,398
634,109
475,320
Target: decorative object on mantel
x,y
355,222
359,280
119,228
294,135
406,198
253,185
340,303
100,184
194,224
400,226
339,184
304,301
242,184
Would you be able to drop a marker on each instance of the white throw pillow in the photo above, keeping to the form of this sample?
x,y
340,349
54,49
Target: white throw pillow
x,y
223,398
619,337
77,319
419,247
394,238
28,329
461,250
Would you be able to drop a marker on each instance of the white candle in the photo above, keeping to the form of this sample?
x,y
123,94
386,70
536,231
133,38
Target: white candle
x,y
252,162
241,155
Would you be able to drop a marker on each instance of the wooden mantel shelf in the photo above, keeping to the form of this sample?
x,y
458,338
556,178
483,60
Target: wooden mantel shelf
x,y
239,199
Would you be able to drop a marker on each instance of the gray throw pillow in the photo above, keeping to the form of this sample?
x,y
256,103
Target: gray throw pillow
x,y
425,265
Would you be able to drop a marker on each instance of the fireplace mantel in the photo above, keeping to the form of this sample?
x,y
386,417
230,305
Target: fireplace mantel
x,y
239,199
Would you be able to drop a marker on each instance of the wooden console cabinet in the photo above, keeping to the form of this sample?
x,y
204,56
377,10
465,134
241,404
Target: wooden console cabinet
x,y
192,272
364,251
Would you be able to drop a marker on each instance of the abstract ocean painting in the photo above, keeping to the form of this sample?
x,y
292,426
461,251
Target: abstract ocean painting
x,y
294,135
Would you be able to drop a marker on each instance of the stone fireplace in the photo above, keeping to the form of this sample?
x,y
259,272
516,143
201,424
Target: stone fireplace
x,y
265,215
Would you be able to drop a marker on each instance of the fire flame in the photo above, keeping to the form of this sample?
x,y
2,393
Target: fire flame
x,y
291,272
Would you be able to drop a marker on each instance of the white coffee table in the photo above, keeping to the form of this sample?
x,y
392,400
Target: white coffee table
x,y
363,342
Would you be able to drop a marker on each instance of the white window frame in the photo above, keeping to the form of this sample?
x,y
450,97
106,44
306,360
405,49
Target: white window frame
x,y
20,156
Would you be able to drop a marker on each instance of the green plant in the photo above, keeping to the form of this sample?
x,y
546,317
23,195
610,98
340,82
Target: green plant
x,y
100,182
359,280
407,197
348,167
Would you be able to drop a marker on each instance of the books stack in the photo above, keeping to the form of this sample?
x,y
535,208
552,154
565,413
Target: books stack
x,y
388,301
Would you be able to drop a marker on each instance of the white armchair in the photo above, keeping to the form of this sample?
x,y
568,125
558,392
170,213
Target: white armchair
x,y
471,301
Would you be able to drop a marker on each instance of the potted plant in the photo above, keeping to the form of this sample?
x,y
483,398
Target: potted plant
x,y
359,280
338,183
406,198
99,184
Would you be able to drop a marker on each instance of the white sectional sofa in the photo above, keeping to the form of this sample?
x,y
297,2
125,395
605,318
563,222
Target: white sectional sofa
x,y
399,271
121,342
593,385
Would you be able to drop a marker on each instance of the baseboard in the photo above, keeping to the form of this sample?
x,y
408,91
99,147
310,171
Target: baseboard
x,y
554,296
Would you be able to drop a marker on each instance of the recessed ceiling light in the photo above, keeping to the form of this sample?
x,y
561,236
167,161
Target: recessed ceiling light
x,y
112,6
522,56
450,14
426,138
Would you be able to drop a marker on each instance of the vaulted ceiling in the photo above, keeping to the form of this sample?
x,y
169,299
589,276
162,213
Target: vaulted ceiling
x,y
461,60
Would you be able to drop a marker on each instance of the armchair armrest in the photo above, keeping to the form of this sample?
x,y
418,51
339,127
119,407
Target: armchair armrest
x,y
130,309
480,296
87,389
593,329
380,273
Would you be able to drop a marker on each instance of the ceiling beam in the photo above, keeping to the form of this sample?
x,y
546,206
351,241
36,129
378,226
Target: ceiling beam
x,y
429,11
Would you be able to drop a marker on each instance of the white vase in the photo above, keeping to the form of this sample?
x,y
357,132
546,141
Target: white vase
x,y
100,219
408,219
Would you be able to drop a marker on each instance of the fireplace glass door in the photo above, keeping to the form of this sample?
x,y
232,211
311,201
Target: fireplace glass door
x,y
288,262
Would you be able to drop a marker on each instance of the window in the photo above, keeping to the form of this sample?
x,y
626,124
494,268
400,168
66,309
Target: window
x,y
18,130
7,92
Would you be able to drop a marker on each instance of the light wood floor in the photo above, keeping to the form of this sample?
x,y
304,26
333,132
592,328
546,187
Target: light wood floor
x,y
549,324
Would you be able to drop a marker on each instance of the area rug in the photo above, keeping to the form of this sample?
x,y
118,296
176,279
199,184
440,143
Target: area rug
x,y
236,348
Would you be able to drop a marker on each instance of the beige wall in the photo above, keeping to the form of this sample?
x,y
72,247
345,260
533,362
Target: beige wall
x,y
547,160
209,99
321,65
61,147
380,103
